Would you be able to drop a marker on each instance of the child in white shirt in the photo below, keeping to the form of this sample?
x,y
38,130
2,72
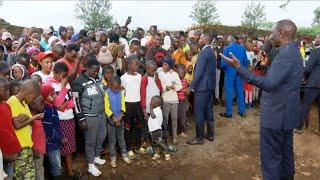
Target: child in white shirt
x,y
155,128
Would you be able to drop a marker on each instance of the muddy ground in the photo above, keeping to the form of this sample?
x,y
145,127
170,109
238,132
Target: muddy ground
x,y
233,155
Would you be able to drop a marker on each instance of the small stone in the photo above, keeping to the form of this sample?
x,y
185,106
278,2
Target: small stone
x,y
306,173
124,176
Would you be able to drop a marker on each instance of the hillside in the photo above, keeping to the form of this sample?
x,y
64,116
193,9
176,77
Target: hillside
x,y
231,30
13,29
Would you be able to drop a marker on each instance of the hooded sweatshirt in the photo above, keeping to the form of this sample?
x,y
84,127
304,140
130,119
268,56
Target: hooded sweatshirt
x,y
24,72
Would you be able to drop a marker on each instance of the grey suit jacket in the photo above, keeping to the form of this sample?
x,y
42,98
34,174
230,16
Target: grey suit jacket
x,y
281,89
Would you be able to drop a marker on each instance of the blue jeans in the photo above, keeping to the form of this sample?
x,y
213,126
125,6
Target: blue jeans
x,y
54,158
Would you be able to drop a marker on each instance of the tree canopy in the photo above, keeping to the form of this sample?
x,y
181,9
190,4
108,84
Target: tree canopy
x,y
254,15
205,12
94,13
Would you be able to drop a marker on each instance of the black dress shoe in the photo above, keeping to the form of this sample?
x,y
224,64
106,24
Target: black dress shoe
x,y
195,141
225,115
243,115
209,138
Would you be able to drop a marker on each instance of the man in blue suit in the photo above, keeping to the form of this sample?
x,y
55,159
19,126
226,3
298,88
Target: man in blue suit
x,y
203,85
280,112
232,80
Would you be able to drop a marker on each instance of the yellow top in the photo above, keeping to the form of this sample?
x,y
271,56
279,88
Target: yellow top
x,y
23,134
107,104
189,77
186,48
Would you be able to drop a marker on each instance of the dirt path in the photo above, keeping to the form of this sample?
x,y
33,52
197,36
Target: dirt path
x,y
233,155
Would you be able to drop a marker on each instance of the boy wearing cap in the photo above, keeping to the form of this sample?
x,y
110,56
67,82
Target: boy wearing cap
x,y
46,63
47,33
171,83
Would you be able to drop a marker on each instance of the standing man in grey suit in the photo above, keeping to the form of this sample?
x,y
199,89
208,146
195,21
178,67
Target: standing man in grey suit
x,y
280,112
312,91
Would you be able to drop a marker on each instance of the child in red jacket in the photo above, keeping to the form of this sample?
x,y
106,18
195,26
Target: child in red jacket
x,y
248,89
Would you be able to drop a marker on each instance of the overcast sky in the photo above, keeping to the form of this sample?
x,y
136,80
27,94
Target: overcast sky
x,y
171,15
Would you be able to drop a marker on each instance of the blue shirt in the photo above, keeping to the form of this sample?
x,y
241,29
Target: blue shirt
x,y
239,52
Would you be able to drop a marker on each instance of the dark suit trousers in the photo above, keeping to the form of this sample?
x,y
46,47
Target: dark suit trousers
x,y
203,104
276,151
310,95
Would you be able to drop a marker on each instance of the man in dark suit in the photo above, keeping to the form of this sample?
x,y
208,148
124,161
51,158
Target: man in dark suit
x,y
280,112
312,91
203,85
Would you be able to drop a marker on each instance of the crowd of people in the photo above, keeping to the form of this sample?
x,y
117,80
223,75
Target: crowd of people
x,y
97,90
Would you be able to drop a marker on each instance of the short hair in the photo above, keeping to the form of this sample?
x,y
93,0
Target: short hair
x,y
113,37
23,55
152,63
115,79
124,27
30,85
135,42
83,32
194,45
72,47
158,34
14,84
106,68
158,99
91,62
3,80
139,29
181,67
60,67
182,35
131,58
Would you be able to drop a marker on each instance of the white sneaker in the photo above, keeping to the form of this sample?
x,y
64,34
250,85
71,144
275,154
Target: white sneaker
x,y
94,170
98,160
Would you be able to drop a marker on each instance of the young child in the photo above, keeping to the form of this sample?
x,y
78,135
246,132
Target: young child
x,y
150,86
256,90
131,82
33,53
24,166
107,73
38,138
53,133
171,84
248,89
64,103
18,72
90,113
9,144
154,124
46,63
189,66
115,108
183,101
195,50
14,88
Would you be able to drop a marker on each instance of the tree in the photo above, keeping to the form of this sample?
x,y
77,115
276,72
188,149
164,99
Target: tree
x,y
253,15
205,12
94,13
266,25
1,3
316,18
282,6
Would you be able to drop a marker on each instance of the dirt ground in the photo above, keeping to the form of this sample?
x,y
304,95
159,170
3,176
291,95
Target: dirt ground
x,y
233,155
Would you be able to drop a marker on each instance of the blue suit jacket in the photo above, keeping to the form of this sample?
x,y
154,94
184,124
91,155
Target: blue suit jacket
x,y
240,52
312,71
281,89
204,77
